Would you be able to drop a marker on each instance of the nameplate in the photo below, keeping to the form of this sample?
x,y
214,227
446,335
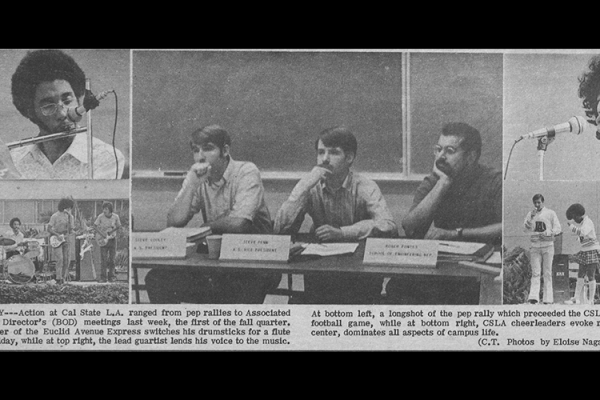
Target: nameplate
x,y
265,248
158,245
404,252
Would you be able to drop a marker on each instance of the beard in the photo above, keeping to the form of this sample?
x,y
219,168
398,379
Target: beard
x,y
445,168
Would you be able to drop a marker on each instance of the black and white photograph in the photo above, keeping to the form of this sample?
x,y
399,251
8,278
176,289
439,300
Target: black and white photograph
x,y
65,114
551,186
333,150
289,199
64,242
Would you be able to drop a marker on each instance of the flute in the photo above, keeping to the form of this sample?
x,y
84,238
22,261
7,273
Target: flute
x,y
47,138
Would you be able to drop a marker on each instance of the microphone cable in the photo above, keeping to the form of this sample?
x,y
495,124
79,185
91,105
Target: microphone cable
x,y
115,133
509,154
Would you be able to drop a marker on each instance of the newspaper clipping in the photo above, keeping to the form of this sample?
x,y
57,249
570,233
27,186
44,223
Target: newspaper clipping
x,y
294,199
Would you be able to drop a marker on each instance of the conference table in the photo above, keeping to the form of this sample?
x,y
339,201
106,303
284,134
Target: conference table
x,y
488,275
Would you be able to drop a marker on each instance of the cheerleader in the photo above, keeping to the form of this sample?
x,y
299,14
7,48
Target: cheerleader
x,y
589,255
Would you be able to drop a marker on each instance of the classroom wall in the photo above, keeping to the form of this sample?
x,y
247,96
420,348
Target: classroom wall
x,y
106,69
151,199
558,197
541,90
274,104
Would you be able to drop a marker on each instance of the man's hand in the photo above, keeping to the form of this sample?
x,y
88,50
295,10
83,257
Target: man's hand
x,y
327,233
533,213
443,178
318,173
440,234
7,167
296,249
197,174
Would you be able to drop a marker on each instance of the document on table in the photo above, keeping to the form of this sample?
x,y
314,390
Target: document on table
x,y
328,249
459,247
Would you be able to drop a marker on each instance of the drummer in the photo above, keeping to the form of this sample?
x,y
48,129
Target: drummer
x,y
15,234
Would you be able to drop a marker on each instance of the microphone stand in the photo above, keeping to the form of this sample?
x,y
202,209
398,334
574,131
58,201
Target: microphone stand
x,y
543,143
90,136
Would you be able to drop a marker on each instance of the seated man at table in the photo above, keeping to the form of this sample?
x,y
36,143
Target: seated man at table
x,y
344,206
230,196
460,200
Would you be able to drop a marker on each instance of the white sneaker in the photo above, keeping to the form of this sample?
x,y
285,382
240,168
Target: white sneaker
x,y
573,301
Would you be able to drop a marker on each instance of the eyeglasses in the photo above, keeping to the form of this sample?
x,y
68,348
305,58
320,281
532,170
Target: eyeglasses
x,y
449,150
50,109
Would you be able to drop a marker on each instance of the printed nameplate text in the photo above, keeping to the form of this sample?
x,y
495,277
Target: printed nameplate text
x,y
158,245
421,253
255,247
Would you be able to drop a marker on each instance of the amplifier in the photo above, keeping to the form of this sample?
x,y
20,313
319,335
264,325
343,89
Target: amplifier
x,y
560,278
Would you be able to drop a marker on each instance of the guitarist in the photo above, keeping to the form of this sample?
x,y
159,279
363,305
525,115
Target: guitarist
x,y
107,225
16,235
62,224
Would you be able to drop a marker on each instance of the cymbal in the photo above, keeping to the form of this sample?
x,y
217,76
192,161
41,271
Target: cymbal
x,y
6,241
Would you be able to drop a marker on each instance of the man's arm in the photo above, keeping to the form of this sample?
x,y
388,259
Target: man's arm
x,y
487,233
51,226
249,196
556,228
528,222
230,225
181,212
419,218
117,223
291,214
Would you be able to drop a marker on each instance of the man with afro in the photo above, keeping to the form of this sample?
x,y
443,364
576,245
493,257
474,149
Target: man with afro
x,y
45,85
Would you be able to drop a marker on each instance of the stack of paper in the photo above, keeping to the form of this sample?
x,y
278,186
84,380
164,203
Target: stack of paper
x,y
192,234
328,249
464,251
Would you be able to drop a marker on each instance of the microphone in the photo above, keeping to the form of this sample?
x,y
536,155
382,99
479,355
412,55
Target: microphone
x,y
90,102
575,125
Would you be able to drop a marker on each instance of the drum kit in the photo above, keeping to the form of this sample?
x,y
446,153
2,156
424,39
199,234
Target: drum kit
x,y
21,268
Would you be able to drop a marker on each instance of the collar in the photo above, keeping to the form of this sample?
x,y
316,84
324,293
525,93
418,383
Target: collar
x,y
347,184
226,175
77,149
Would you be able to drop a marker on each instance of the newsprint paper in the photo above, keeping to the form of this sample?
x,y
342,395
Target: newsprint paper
x,y
401,152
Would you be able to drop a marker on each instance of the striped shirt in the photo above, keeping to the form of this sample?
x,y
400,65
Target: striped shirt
x,y
586,234
357,208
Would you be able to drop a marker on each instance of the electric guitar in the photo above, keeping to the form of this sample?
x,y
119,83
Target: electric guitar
x,y
56,241
102,238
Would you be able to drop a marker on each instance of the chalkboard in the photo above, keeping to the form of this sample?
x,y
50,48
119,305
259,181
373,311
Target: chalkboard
x,y
455,87
273,104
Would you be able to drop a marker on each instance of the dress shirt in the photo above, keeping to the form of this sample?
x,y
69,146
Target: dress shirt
x,y
357,208
32,163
